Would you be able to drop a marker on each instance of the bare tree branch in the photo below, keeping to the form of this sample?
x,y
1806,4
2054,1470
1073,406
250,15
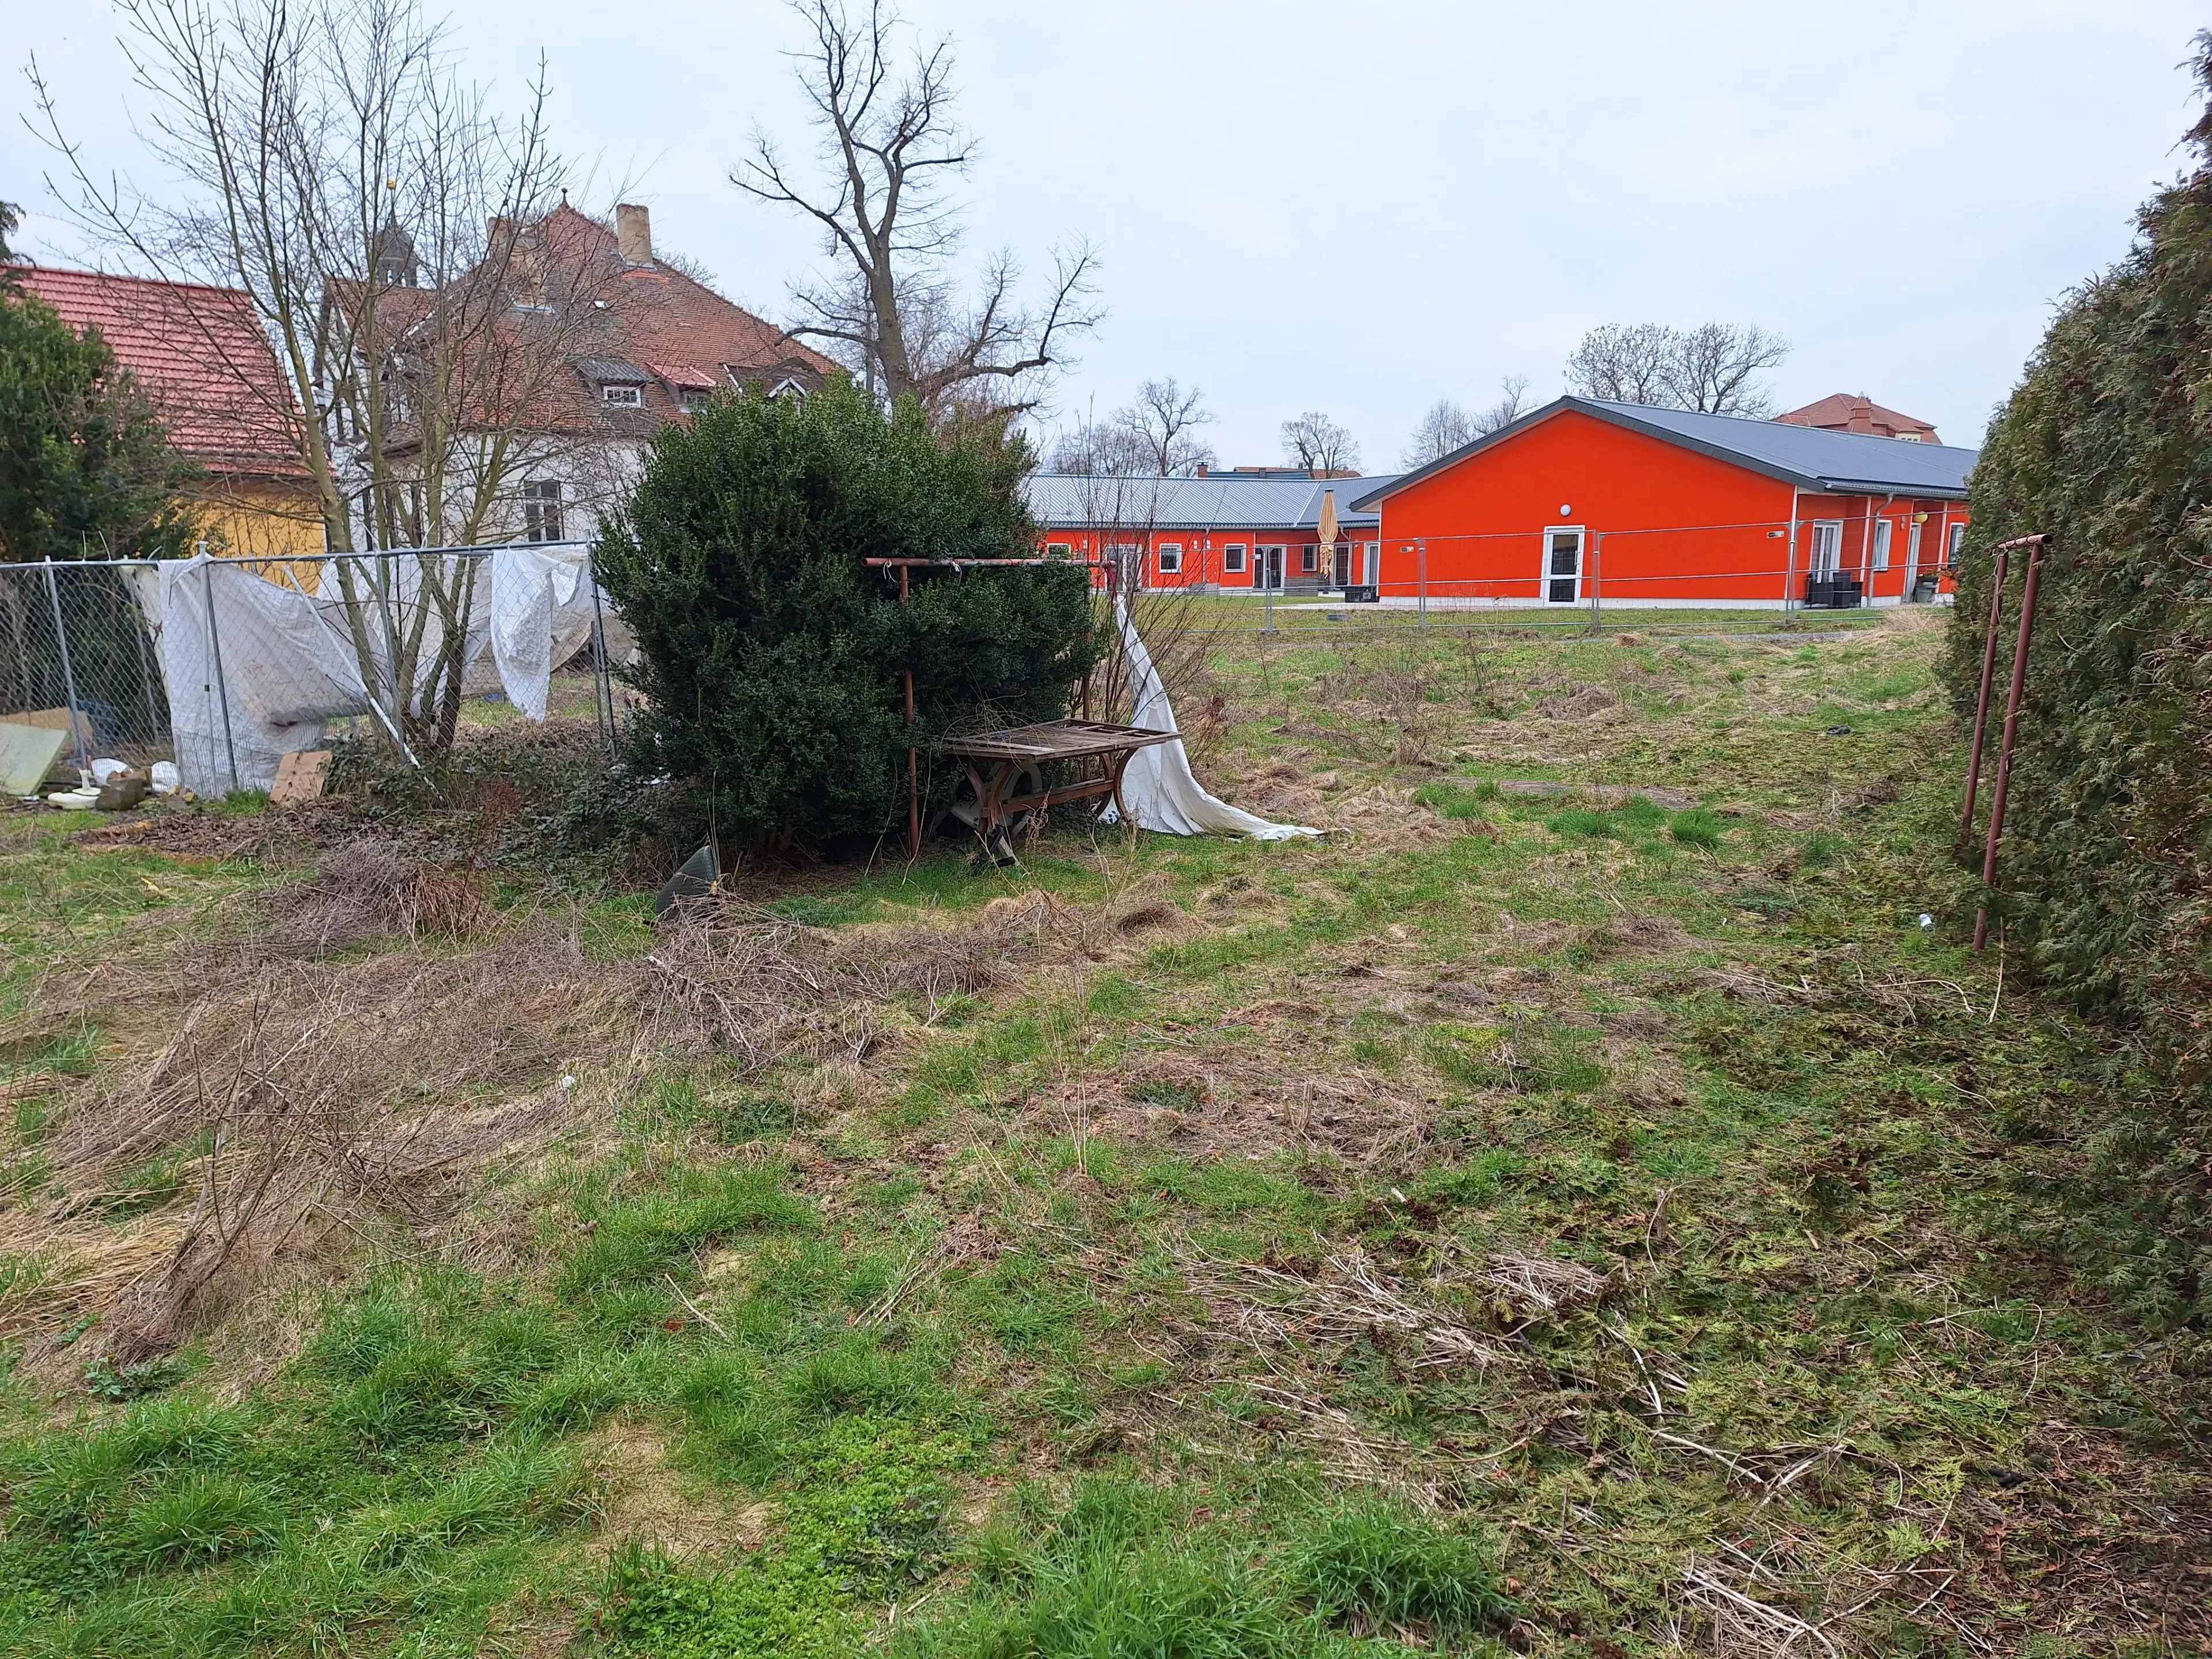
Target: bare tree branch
x,y
889,148
1707,368
1314,441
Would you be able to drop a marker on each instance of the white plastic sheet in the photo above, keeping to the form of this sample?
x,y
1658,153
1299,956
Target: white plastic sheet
x,y
1157,787
288,661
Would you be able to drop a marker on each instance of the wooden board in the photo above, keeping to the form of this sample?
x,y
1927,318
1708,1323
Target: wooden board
x,y
1055,740
27,754
301,777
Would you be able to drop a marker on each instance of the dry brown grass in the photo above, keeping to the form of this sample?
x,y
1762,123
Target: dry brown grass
x,y
301,1100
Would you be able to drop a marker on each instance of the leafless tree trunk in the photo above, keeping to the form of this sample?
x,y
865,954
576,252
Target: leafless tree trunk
x,y
1714,363
889,148
329,161
1314,441
1707,368
1621,363
1512,403
1442,430
1163,418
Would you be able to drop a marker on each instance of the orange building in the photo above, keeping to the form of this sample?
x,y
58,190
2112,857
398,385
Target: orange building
x,y
1662,507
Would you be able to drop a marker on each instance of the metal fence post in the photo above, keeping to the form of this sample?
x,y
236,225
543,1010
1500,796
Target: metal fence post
x,y
222,684
1597,570
77,721
1421,577
603,685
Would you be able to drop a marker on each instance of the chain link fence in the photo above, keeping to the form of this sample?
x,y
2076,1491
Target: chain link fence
x,y
224,666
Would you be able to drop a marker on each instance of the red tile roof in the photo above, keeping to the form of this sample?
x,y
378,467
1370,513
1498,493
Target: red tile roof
x,y
200,354
1840,411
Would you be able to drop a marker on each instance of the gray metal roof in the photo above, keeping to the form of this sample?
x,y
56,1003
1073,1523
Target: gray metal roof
x,y
1063,501
1837,463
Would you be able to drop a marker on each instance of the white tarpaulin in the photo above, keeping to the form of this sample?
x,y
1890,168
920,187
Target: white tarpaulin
x,y
289,665
1157,787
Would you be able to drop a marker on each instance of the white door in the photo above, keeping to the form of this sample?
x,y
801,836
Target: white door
x,y
1912,559
1374,564
1563,566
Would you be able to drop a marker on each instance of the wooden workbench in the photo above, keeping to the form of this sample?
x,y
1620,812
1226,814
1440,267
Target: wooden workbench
x,y
995,761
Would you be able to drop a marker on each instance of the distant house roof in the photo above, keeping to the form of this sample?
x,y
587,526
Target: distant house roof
x,y
611,369
1063,501
1832,463
1842,412
687,375
647,324
199,354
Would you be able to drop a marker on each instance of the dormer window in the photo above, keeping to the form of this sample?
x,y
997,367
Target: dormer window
x,y
623,396
692,400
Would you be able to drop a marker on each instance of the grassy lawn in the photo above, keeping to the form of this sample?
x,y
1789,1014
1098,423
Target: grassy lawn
x,y
1571,1223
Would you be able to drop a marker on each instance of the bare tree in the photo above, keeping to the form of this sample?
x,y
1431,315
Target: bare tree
x,y
1713,364
890,148
1163,419
1445,428
1707,368
1623,364
1319,444
1101,449
330,162
1512,403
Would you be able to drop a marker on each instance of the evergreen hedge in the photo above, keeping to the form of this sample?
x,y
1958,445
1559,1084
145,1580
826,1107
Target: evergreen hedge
x,y
773,656
2107,872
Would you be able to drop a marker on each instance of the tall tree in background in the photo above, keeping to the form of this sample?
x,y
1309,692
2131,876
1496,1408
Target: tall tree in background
x,y
1318,443
1163,418
326,158
10,217
86,467
893,308
1445,428
1707,368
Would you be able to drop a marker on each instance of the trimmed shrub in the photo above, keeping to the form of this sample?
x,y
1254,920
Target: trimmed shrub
x,y
773,655
2105,444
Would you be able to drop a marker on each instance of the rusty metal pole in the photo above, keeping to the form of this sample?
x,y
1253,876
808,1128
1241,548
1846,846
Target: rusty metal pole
x,y
912,773
2011,725
1982,704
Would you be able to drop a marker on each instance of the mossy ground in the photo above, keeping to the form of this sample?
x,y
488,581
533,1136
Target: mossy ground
x,y
1192,1300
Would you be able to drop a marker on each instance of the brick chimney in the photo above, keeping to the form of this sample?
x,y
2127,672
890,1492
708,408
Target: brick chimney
x,y
633,232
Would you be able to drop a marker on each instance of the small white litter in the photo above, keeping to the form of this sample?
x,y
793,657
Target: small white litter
x,y
163,779
104,769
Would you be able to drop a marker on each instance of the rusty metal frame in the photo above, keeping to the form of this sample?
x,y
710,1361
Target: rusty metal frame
x,y
2036,546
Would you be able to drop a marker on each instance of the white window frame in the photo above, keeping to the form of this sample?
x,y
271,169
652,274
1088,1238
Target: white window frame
x,y
1281,550
1232,559
1059,550
690,399
1825,560
1373,562
1172,558
1958,544
617,394
1309,558
1882,534
1544,576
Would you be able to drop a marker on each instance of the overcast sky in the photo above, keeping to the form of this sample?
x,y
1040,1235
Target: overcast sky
x,y
1362,208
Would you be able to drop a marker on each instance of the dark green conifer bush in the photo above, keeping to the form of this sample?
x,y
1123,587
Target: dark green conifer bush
x,y
2106,445
773,655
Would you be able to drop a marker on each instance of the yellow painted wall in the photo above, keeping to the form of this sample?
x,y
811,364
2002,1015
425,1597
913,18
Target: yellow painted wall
x,y
249,520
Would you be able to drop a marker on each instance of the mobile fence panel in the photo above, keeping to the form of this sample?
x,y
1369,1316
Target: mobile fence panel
x,y
224,666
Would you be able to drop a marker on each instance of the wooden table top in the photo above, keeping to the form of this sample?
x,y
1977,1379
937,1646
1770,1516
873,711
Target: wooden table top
x,y
1055,740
